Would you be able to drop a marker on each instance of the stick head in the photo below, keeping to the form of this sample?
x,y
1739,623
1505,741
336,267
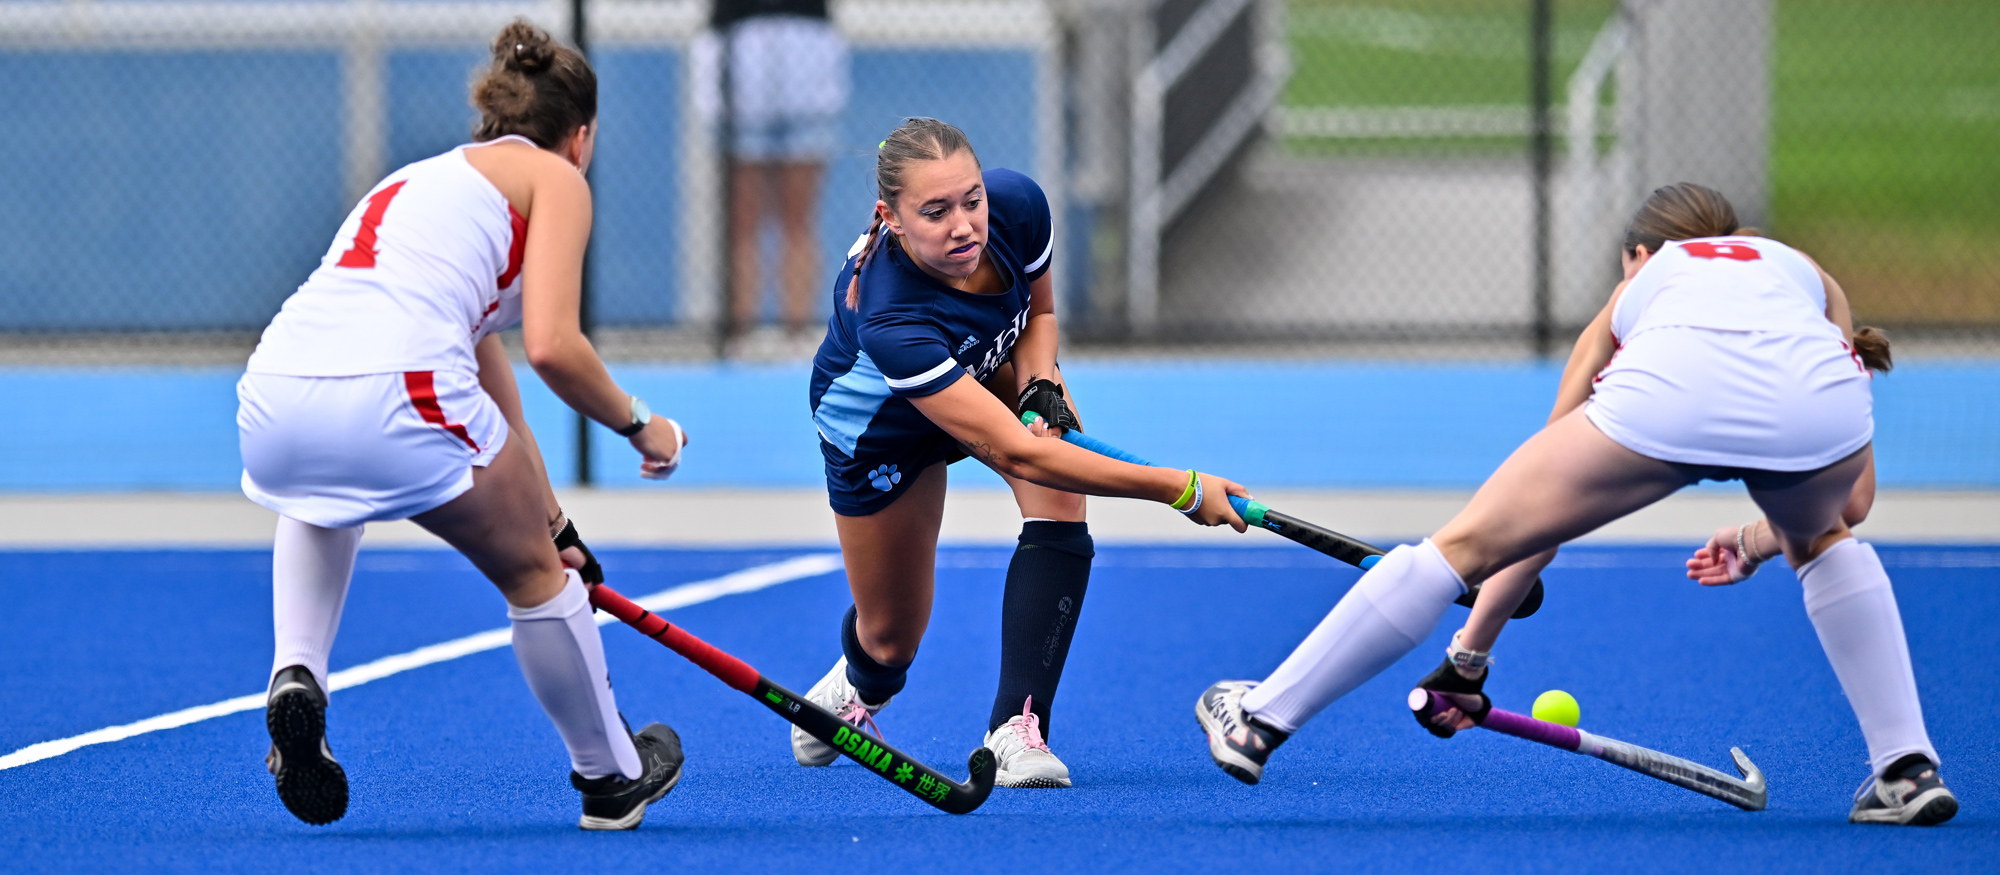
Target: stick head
x,y
979,785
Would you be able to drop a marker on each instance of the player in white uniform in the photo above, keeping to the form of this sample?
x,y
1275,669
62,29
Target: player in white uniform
x,y
1721,356
381,392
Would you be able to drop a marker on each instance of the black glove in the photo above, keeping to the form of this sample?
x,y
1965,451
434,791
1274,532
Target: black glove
x,y
1446,679
1045,398
1526,608
591,572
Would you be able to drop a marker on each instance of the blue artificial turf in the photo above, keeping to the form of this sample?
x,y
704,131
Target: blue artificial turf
x,y
455,768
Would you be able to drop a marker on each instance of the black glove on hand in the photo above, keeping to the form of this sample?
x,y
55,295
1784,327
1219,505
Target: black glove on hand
x,y
591,572
1045,397
1446,679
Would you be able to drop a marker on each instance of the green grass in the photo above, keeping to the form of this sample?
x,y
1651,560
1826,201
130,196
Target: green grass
x,y
1886,152
1425,52
1887,164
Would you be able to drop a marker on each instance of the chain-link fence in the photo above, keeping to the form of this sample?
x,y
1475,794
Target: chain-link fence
x,y
1290,174
180,167
1402,190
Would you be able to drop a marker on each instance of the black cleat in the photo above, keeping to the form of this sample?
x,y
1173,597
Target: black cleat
x,y
311,784
1909,793
613,801
1237,743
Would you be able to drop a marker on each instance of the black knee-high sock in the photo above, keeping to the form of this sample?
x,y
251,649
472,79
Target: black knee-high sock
x,y
1045,586
874,681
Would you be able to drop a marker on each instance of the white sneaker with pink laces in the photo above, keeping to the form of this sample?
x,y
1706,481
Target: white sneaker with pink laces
x,y
1025,759
836,694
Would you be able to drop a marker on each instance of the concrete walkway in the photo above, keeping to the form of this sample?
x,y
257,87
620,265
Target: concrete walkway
x,y
740,518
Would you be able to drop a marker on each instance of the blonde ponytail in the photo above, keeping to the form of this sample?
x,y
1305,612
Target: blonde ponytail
x,y
861,258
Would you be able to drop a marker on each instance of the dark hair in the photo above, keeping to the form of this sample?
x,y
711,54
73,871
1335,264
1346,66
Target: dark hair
x,y
1682,211
916,139
1686,211
1872,346
535,87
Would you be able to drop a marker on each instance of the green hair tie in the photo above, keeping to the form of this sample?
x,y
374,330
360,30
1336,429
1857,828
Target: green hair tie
x,y
878,146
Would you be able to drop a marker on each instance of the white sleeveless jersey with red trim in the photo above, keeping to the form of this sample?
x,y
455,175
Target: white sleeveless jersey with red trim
x,y
1725,284
424,267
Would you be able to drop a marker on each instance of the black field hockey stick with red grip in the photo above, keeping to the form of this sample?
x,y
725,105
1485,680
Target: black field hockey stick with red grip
x,y
1357,553
892,765
1748,792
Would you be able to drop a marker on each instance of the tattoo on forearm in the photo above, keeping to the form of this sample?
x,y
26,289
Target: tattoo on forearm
x,y
979,450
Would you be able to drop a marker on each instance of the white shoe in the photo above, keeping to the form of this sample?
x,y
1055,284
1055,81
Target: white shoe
x,y
835,694
1025,759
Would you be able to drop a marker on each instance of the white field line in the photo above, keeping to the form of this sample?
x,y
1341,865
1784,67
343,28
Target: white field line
x,y
747,580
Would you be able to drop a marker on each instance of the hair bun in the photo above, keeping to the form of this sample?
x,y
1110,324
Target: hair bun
x,y
524,48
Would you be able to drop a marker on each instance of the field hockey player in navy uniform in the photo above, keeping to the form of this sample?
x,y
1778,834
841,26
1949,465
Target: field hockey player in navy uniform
x,y
943,332
1722,356
381,392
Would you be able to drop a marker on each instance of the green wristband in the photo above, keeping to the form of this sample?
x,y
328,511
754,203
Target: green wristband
x,y
1187,495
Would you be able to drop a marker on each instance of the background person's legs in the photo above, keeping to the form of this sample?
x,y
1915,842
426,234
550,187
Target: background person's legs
x,y
798,213
747,196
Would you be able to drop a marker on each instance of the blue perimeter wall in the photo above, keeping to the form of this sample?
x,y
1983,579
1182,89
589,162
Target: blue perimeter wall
x,y
1269,425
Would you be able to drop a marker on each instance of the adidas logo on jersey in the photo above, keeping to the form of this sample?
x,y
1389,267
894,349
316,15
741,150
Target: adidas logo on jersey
x,y
969,341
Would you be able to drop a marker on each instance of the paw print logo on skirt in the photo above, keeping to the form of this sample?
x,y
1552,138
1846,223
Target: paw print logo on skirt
x,y
885,477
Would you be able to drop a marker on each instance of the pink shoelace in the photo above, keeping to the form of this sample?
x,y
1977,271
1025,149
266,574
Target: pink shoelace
x,y
1030,727
858,716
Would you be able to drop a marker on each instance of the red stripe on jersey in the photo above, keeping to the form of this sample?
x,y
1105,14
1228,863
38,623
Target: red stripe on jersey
x,y
423,396
490,309
362,253
1615,350
1736,251
1855,354
515,251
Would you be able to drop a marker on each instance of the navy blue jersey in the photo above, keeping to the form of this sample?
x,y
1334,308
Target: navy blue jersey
x,y
913,336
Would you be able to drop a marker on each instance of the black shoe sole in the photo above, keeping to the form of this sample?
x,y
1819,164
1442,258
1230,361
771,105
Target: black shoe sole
x,y
614,824
312,786
1239,773
1939,809
1936,811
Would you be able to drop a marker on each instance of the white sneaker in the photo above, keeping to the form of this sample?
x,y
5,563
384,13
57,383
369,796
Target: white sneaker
x,y
1025,759
835,694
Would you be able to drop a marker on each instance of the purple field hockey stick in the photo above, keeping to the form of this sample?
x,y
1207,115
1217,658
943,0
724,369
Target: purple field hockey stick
x,y
1747,792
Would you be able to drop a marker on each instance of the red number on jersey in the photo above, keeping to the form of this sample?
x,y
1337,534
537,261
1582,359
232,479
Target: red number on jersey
x,y
362,254
1737,251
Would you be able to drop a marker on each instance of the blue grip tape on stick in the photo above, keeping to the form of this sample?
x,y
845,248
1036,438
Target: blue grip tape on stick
x,y
1101,448
1357,553
1251,510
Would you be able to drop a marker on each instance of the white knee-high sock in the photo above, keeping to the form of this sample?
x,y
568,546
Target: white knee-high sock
x,y
1854,611
562,657
1391,610
310,570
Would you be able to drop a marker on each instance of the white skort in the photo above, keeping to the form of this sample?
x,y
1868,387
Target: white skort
x,y
1741,399
341,451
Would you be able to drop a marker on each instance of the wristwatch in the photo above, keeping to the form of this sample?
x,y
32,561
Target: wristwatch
x,y
641,414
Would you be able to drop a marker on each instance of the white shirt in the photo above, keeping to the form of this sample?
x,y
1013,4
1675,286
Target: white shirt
x,y
424,267
1725,284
